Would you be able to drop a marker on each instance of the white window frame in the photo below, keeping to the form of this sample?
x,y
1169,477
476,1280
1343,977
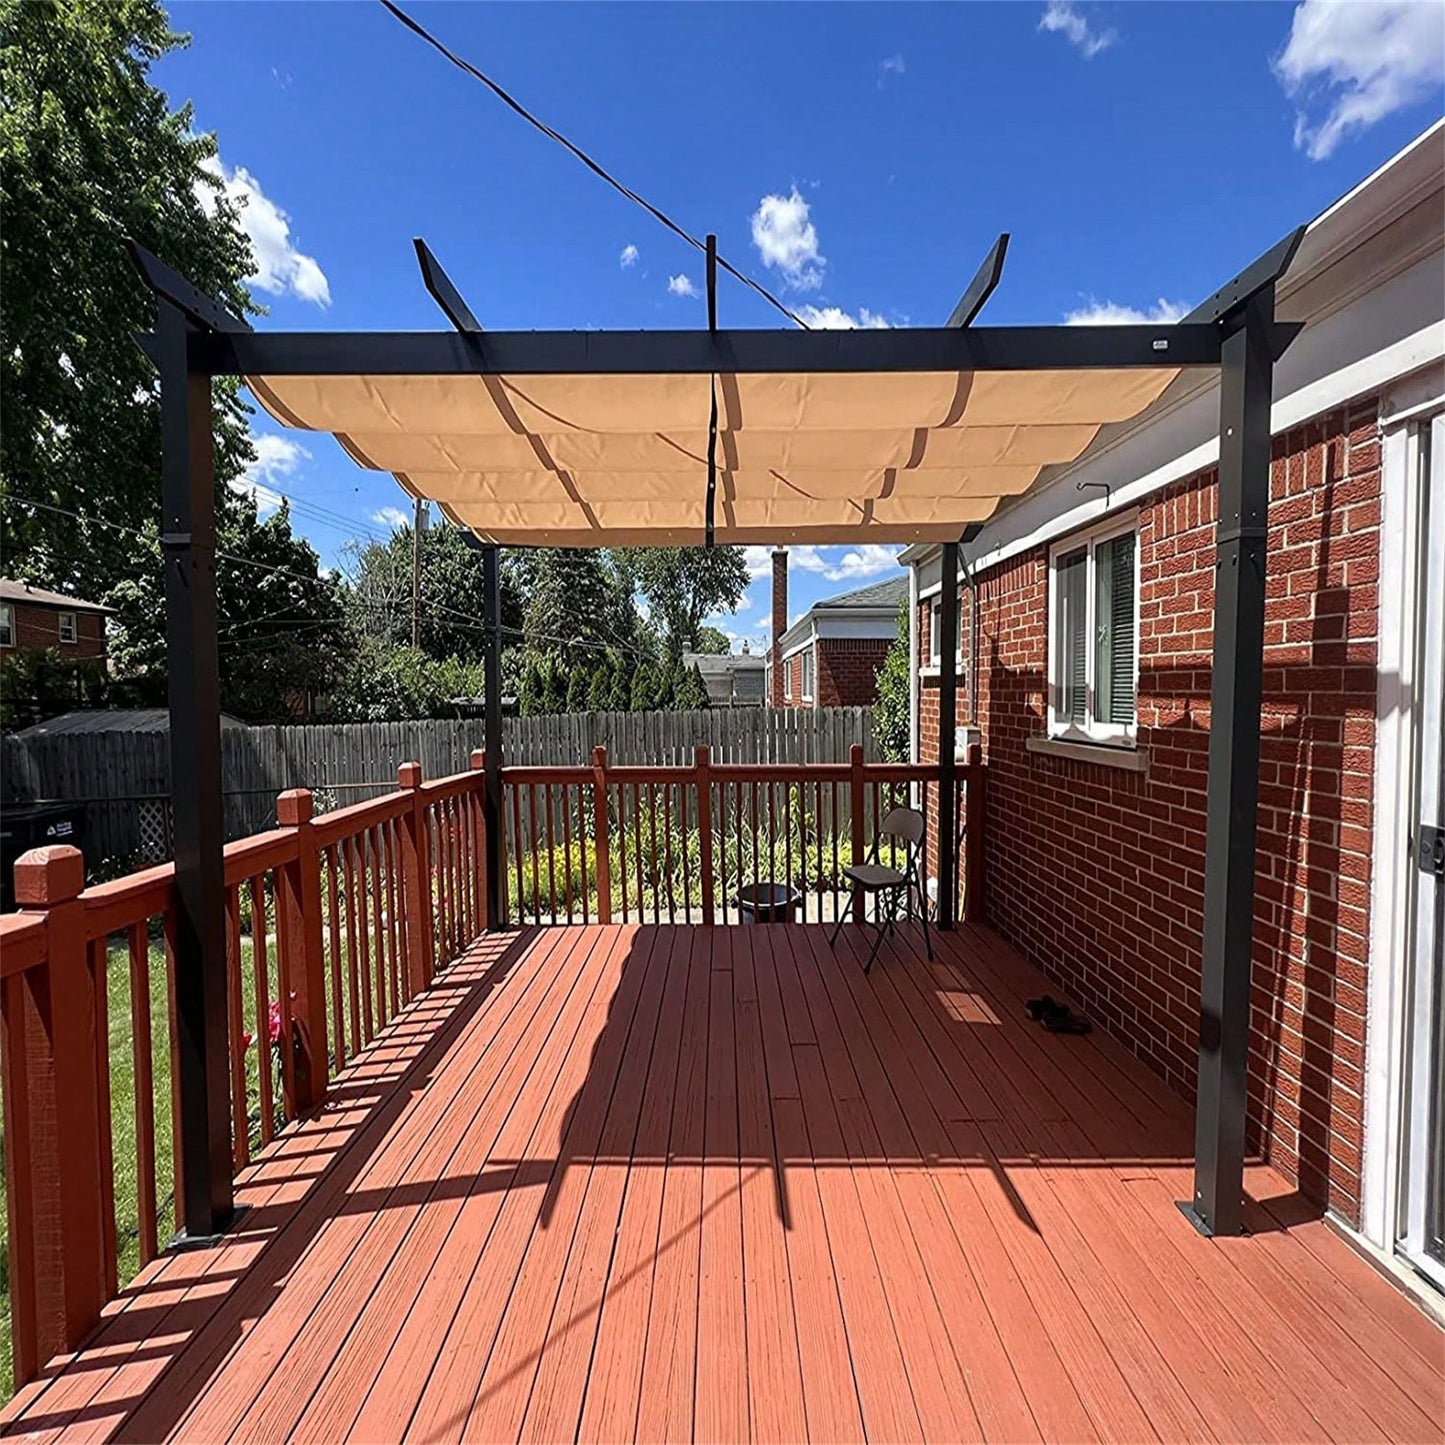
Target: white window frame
x,y
1091,730
808,667
935,631
7,625
74,637
787,666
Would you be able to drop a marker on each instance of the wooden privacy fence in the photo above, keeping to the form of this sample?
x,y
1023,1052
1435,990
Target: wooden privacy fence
x,y
676,844
124,778
333,924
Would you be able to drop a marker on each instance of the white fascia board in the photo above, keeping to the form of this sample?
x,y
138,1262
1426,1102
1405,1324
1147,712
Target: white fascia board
x,y
802,643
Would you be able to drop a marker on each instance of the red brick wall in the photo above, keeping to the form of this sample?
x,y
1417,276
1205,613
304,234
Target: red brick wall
x,y
848,670
38,626
1098,874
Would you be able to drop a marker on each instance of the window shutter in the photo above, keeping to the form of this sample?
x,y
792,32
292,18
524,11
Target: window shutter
x,y
1115,660
1073,636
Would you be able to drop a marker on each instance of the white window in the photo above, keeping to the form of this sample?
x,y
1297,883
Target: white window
x,y
935,633
7,625
807,661
1093,631
67,627
787,677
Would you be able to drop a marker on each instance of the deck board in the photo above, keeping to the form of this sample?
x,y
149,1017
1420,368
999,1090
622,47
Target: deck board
x,y
660,1183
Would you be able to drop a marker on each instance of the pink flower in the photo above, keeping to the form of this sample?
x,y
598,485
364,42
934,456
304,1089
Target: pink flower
x,y
274,1024
247,1039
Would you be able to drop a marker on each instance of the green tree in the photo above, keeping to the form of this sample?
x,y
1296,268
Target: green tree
x,y
623,672
533,699
395,684
576,602
451,604
91,153
891,711
643,696
691,695
683,585
579,687
599,694
713,642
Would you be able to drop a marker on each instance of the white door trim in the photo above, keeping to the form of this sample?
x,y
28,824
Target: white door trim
x,y
1397,700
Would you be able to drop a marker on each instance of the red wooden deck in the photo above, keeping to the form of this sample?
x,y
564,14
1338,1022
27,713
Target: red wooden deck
x,y
714,1184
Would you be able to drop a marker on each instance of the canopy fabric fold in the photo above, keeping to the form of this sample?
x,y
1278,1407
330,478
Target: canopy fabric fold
x,y
601,460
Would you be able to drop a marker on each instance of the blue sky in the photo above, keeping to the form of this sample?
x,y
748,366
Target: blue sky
x,y
858,159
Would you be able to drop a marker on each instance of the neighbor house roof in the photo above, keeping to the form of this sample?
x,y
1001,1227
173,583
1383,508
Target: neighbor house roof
x,y
877,603
41,597
110,720
729,676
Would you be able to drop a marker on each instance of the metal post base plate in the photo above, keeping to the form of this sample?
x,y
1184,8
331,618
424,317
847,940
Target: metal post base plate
x,y
1187,1209
183,1243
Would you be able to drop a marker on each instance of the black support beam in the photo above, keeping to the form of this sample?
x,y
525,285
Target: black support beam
x,y
948,736
983,285
492,735
1235,696
188,547
700,353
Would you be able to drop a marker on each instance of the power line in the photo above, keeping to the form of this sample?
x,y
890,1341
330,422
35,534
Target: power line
x,y
598,170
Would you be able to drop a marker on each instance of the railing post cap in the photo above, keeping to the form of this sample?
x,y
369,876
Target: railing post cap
x,y
50,875
408,775
479,759
294,807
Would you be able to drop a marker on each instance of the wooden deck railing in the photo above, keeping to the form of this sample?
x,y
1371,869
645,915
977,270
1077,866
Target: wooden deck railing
x,y
675,844
333,924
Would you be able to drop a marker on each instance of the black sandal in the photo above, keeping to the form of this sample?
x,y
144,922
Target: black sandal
x,y
1066,1021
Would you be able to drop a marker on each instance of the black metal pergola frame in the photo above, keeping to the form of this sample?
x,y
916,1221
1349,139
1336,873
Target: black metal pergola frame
x,y
196,339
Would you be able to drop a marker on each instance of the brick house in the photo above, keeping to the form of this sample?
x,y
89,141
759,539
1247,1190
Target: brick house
x,y
831,655
33,619
1086,659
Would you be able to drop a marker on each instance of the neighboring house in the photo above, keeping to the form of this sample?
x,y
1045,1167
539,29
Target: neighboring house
x,y
831,655
732,679
1086,632
32,619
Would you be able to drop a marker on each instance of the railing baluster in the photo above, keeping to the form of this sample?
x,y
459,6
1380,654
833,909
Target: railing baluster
x,y
99,963
600,840
532,852
378,925
338,1000
637,850
517,852
622,845
347,850
138,942
667,847
263,1009
551,853
240,1121
567,849
788,849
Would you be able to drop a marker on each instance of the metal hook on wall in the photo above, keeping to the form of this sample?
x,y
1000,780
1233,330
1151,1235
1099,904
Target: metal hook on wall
x,y
1079,487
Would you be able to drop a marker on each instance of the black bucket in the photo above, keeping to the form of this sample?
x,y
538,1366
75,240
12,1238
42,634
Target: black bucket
x,y
767,902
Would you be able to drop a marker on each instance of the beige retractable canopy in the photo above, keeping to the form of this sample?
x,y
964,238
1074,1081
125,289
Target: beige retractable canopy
x,y
595,459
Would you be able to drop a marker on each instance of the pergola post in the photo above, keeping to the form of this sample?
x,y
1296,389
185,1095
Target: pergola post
x,y
947,737
1246,382
492,728
188,550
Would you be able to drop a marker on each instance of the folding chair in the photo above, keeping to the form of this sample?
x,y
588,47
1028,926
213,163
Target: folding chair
x,y
879,881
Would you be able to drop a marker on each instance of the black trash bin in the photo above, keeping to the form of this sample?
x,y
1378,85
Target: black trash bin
x,y
767,902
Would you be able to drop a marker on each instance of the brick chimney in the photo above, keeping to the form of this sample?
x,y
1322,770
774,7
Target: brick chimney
x,y
780,625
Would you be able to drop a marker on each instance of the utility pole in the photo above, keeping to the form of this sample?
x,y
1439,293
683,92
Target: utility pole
x,y
418,523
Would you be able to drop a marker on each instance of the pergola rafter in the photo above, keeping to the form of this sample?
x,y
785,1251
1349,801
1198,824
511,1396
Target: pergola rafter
x,y
1235,331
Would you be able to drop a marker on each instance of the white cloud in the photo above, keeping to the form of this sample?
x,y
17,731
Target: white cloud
x,y
834,318
759,561
893,66
280,267
391,517
1348,64
1060,16
681,286
786,238
1110,313
853,564
277,458
628,256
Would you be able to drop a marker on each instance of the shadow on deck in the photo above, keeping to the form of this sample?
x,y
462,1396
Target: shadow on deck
x,y
670,1182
